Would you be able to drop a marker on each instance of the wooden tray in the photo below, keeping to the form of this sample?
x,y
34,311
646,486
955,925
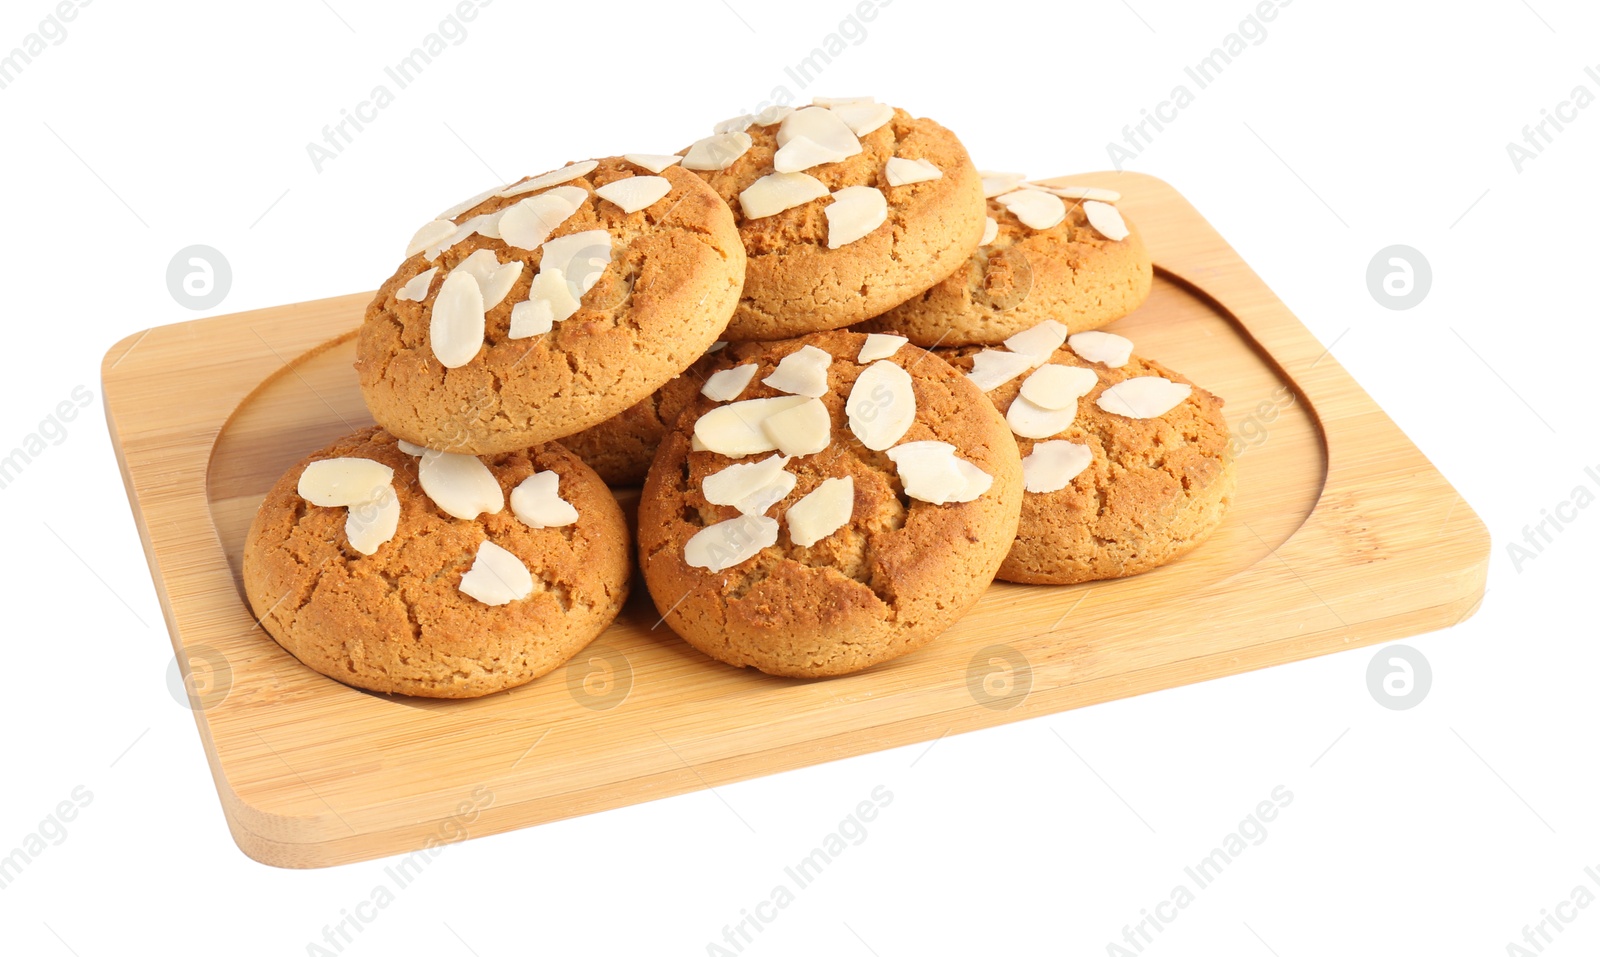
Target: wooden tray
x,y
1342,534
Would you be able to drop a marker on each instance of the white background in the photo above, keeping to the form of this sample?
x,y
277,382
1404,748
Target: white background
x,y
1441,829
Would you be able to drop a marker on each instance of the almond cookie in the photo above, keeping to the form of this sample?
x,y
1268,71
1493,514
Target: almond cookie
x,y
538,309
847,208
1049,252
837,501
621,448
1126,464
396,569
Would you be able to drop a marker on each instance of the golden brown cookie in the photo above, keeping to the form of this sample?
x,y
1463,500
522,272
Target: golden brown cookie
x,y
539,309
1113,489
838,556
1022,275
620,448
397,619
794,282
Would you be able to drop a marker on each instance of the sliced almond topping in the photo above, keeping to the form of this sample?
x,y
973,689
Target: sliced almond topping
x,y
467,204
996,183
345,481
823,511
416,288
773,114
899,171
1035,208
461,485
581,258
932,472
654,162
494,278
802,153
1039,342
751,487
882,405
635,192
370,524
863,118
717,152
717,346
854,212
841,100
456,324
802,430
496,577
1058,387
1036,422
735,124
802,372
1106,220
550,300
409,448
735,429
993,368
1145,397
1052,465
880,345
565,174
1104,347
527,224
991,229
537,502
432,232
727,384
723,545
823,127
776,192
1080,192
487,224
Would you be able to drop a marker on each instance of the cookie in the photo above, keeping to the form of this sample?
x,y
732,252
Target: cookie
x,y
620,448
871,208
1042,257
539,309
361,563
1130,469
837,509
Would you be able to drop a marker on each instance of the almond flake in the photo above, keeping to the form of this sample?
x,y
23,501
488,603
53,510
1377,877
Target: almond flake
x,y
549,301
565,174
580,257
1039,342
1035,208
996,183
932,472
496,577
735,124
1036,422
882,405
537,502
1052,465
1106,220
1103,347
728,383
654,162
635,192
735,429
802,153
409,448
1058,387
802,430
370,524
751,487
823,511
991,229
487,224
467,204
717,152
494,278
1145,397
773,114
456,323
880,345
460,485
1080,193
723,545
821,126
717,346
332,483
802,372
416,288
831,101
432,232
776,192
854,212
993,368
899,171
529,223
863,118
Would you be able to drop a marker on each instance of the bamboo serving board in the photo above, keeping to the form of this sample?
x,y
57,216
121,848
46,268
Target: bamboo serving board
x,y
1341,534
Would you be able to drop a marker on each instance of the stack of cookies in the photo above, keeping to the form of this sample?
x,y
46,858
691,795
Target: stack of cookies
x,y
857,378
